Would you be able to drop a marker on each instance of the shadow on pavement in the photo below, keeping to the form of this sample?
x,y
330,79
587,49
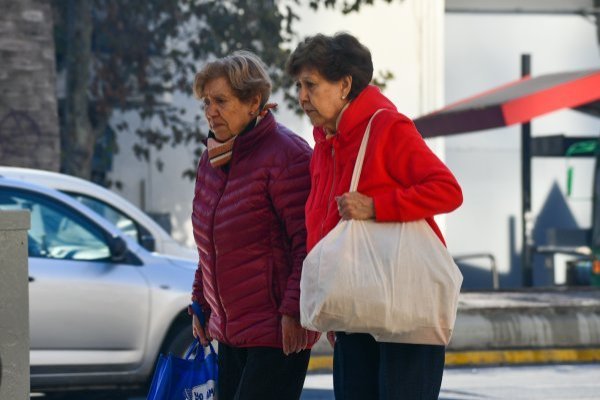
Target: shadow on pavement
x,y
317,394
324,394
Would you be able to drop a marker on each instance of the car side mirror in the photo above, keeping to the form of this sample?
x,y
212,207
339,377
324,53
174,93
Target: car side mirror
x,y
148,242
118,248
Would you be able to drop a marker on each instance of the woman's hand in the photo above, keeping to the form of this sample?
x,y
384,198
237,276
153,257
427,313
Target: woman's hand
x,y
295,337
331,338
354,205
200,332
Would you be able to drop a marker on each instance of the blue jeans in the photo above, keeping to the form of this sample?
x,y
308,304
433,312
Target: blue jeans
x,y
366,369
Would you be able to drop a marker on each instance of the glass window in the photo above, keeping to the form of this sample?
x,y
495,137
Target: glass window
x,y
56,230
127,225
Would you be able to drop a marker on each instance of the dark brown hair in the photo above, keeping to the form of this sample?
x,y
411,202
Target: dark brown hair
x,y
334,57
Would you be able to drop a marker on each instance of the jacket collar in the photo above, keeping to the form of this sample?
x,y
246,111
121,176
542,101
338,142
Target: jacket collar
x,y
246,142
358,111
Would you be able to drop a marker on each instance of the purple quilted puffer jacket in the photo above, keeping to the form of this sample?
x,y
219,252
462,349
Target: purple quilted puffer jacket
x,y
249,228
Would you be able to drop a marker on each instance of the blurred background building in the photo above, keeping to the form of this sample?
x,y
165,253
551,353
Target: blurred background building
x,y
483,44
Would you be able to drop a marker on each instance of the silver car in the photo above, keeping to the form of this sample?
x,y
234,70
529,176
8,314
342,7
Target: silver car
x,y
127,217
101,306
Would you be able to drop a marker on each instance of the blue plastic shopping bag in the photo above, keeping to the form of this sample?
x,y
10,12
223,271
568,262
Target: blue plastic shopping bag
x,y
186,378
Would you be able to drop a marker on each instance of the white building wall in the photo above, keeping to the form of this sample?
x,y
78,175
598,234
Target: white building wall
x,y
483,51
404,38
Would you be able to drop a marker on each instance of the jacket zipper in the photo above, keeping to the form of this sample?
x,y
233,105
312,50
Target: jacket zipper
x,y
330,190
215,255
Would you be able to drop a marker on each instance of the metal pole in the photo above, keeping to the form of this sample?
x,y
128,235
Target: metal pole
x,y
526,218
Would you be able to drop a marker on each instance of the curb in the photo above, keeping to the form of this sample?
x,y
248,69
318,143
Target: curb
x,y
519,357
493,357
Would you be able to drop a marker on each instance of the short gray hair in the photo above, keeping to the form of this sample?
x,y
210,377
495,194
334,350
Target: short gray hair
x,y
244,70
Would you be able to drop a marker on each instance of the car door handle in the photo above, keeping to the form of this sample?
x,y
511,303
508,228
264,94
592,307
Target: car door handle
x,y
31,279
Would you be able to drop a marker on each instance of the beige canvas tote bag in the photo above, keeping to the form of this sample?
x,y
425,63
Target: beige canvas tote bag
x,y
395,281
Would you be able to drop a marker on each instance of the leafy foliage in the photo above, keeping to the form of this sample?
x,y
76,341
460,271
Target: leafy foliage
x,y
143,53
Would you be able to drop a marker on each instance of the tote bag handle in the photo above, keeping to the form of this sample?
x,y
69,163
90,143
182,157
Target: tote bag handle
x,y
361,154
195,348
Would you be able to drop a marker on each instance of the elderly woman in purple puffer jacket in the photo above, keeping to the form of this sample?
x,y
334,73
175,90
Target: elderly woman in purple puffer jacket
x,y
248,219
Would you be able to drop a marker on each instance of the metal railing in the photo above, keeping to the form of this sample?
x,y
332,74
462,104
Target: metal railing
x,y
493,267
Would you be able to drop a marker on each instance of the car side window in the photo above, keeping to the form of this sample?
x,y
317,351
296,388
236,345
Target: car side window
x,y
57,231
122,221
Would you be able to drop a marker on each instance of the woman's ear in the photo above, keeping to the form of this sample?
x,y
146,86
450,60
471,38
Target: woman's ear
x,y
255,104
346,86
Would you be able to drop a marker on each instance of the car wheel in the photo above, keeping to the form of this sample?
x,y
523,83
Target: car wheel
x,y
176,343
180,341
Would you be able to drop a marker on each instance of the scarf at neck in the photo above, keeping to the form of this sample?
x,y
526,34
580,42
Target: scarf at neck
x,y
219,153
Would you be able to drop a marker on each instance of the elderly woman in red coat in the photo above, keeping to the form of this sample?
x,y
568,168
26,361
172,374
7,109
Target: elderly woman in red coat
x,y
248,220
401,180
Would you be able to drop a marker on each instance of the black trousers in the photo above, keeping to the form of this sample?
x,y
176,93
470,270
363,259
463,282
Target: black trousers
x,y
260,373
366,369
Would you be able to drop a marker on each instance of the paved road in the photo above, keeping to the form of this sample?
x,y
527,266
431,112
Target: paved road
x,y
556,382
547,382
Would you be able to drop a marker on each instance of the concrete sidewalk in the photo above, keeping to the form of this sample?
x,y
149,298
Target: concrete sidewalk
x,y
516,327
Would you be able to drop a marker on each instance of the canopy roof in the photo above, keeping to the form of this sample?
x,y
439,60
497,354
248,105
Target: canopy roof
x,y
516,102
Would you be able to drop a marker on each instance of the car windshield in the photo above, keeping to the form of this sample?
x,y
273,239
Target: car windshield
x,y
116,217
56,231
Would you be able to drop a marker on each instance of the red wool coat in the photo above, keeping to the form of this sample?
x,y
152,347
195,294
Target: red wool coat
x,y
403,176
249,228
